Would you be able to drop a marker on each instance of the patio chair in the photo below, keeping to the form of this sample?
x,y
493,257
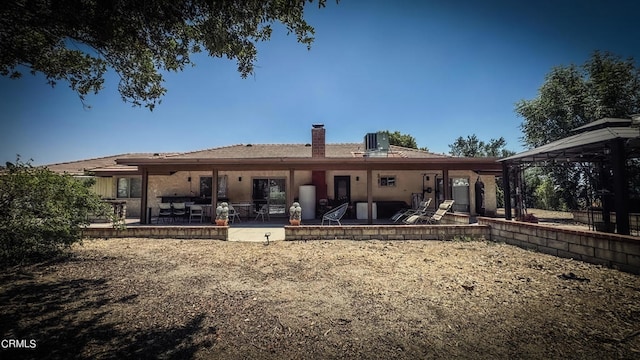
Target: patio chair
x,y
164,212
264,210
335,214
431,219
421,210
179,210
233,214
196,211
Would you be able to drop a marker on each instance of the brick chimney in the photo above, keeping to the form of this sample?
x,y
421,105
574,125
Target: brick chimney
x,y
317,141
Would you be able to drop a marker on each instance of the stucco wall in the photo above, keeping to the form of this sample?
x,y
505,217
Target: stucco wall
x,y
407,182
104,187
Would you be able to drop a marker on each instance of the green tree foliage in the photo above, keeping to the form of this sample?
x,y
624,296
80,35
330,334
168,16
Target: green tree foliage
x,y
78,41
571,96
399,139
474,147
547,196
41,212
405,140
539,190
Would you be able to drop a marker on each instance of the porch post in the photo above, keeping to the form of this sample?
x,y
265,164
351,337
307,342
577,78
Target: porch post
x,y
445,185
620,186
506,184
291,189
369,197
143,197
214,194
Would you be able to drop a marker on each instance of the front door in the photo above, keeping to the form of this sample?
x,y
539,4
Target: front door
x,y
342,189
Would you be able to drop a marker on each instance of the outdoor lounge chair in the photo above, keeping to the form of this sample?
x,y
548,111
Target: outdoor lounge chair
x,y
335,214
431,219
421,210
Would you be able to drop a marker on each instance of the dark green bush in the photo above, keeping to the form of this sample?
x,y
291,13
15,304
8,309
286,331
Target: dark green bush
x,y
42,213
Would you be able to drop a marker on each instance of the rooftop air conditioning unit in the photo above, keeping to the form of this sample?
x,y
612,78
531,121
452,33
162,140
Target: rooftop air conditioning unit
x,y
376,142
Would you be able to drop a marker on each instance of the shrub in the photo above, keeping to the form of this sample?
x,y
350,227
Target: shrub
x,y
42,213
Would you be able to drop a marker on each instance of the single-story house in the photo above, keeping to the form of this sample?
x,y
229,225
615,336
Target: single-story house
x,y
374,177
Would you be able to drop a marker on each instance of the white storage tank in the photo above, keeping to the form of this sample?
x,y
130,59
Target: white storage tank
x,y
362,210
307,200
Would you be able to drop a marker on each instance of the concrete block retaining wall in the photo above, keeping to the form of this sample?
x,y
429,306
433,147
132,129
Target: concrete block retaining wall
x,y
385,232
612,250
161,232
456,218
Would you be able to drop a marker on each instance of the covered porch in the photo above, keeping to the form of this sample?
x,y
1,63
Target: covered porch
x,y
294,172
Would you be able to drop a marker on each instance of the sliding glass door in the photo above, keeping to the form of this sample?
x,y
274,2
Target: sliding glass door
x,y
272,192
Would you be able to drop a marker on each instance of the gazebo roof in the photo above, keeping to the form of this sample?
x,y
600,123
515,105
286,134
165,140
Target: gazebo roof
x,y
586,146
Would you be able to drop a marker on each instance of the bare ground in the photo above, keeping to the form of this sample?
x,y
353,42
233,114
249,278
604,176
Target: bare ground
x,y
139,298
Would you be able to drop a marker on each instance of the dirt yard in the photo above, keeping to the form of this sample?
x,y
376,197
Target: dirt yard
x,y
172,299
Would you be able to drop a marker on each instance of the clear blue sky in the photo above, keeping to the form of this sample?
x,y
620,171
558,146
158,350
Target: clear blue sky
x,y
437,71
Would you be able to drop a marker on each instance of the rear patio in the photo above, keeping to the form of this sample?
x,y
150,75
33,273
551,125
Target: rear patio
x,y
567,240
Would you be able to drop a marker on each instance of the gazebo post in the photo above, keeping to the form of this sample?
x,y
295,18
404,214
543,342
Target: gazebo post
x,y
507,190
620,186
605,196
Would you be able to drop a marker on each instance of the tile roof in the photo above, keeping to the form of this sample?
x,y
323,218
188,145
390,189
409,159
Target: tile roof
x,y
344,150
240,151
80,167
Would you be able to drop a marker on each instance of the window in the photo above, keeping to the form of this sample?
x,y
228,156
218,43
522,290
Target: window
x,y
129,187
206,184
387,181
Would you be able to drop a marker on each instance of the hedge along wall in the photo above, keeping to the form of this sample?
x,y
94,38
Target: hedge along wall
x,y
612,250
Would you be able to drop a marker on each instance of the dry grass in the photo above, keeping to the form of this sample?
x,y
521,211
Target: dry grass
x,y
138,298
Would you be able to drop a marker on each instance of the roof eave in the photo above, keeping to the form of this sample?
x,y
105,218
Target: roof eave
x,y
317,163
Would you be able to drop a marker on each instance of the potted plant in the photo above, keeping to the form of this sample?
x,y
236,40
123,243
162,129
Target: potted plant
x,y
295,214
222,214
